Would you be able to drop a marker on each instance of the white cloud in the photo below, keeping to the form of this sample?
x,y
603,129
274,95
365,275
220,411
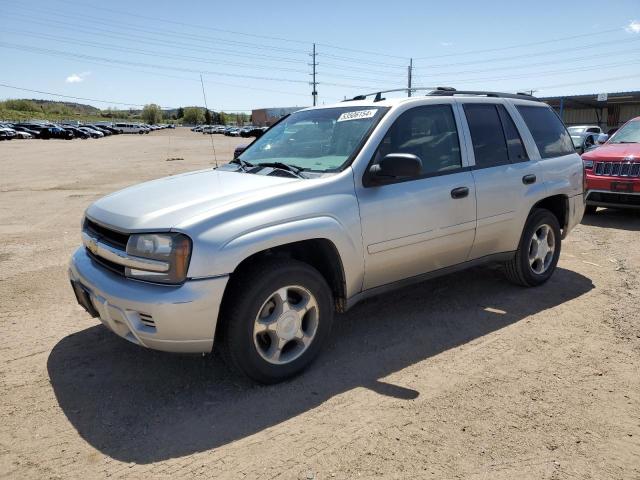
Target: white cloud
x,y
77,77
633,27
446,44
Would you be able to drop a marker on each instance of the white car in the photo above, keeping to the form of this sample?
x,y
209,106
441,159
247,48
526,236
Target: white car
x,y
23,135
130,128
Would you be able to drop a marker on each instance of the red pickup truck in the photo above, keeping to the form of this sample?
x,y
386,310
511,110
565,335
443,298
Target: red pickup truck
x,y
612,171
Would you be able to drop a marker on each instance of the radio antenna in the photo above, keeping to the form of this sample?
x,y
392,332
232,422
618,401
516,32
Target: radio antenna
x,y
215,158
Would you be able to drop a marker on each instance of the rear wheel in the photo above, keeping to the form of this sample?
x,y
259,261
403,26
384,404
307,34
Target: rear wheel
x,y
537,256
276,319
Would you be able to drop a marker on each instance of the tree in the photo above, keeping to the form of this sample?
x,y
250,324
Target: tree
x,y
193,115
180,113
207,117
152,113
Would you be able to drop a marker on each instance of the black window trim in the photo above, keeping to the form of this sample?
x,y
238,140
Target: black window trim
x,y
367,181
524,148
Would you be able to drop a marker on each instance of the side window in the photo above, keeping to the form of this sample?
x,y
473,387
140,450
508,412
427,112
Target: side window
x,y
428,132
547,130
489,144
593,130
517,152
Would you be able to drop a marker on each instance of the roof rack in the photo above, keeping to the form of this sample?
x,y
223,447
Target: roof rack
x,y
445,92
378,95
450,92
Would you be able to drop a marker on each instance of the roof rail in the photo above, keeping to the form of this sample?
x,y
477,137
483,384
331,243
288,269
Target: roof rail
x,y
445,92
378,95
449,92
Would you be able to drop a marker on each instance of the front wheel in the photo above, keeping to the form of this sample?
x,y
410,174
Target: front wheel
x,y
537,256
276,319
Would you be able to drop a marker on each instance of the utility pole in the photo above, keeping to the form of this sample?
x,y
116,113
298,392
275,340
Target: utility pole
x,y
409,72
314,84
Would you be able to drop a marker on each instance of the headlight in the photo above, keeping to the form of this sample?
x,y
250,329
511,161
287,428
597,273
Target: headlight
x,y
588,163
172,248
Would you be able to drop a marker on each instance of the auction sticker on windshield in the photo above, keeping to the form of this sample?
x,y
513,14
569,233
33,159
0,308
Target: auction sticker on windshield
x,y
357,115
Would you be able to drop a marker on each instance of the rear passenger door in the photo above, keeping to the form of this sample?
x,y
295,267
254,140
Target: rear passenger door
x,y
507,181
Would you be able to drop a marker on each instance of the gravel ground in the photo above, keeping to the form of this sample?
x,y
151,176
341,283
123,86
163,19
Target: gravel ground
x,y
465,376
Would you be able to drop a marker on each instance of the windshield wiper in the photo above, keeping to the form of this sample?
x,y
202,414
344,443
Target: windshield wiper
x,y
284,166
244,165
625,141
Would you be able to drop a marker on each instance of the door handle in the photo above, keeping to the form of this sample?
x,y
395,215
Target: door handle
x,y
459,192
529,179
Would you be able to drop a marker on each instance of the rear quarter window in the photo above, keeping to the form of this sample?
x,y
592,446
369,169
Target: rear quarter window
x,y
547,130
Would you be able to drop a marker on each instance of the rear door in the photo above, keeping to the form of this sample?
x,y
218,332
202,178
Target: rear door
x,y
507,181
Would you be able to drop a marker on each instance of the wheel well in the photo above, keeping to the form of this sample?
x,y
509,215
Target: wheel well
x,y
558,205
320,253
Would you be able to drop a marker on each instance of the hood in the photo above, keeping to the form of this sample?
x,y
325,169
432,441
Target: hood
x,y
611,152
161,204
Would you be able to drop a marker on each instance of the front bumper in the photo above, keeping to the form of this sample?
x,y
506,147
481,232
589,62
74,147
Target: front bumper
x,y
179,318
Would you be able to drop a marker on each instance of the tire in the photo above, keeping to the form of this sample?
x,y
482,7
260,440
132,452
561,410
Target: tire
x,y
520,269
590,209
254,303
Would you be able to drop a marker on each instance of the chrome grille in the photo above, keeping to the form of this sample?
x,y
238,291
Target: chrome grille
x,y
617,169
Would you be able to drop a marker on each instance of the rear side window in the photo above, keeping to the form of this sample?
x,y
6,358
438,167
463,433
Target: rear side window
x,y
489,145
547,130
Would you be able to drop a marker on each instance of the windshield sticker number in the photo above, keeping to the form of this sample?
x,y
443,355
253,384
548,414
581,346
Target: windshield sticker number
x,y
357,115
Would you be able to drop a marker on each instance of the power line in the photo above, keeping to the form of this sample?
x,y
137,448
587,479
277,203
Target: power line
x,y
151,53
539,64
96,31
254,35
520,45
535,54
46,51
111,102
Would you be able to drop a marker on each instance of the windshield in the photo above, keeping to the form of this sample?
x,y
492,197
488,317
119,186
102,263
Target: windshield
x,y
629,133
320,140
576,130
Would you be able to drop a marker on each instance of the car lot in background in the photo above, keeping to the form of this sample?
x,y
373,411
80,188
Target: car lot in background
x,y
513,380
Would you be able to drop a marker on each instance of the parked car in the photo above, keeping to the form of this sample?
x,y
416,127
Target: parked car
x,y
91,131
30,131
77,132
7,133
332,205
22,135
232,132
105,131
55,132
588,141
613,170
130,128
581,129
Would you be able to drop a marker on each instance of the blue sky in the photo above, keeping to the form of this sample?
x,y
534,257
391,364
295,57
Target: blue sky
x,y
256,53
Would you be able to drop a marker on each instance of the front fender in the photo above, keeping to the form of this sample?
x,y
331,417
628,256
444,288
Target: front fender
x,y
234,251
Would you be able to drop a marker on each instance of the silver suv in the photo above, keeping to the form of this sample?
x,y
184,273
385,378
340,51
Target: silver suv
x,y
330,206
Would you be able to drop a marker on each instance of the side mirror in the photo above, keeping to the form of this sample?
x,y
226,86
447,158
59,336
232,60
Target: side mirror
x,y
396,166
239,149
602,138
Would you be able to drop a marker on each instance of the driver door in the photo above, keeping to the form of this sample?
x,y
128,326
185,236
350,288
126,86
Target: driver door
x,y
417,225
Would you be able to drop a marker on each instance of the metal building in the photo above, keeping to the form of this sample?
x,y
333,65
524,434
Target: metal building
x,y
264,117
607,110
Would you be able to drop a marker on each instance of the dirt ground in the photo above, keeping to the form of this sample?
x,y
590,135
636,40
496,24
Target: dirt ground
x,y
464,376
